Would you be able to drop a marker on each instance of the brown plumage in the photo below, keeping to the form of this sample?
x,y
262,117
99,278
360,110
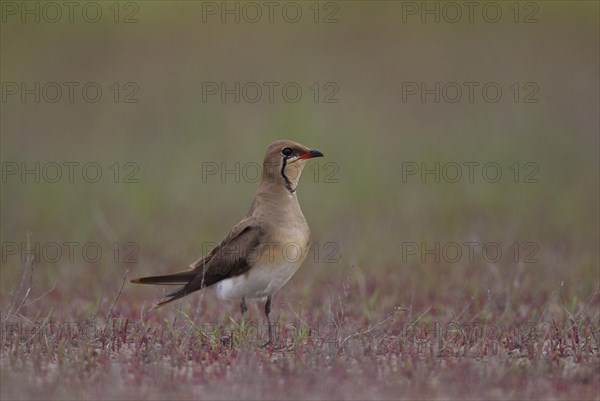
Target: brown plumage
x,y
250,261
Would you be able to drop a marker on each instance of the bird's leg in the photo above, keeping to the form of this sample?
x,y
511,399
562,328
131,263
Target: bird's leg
x,y
243,308
267,312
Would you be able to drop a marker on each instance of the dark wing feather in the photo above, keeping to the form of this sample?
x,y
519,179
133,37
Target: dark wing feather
x,y
228,259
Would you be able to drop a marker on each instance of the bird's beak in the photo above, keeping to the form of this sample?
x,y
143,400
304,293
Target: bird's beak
x,y
311,154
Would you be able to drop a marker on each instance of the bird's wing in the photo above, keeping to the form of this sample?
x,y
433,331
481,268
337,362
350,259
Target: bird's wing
x,y
229,258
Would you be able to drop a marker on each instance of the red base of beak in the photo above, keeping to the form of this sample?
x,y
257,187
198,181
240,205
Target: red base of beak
x,y
311,154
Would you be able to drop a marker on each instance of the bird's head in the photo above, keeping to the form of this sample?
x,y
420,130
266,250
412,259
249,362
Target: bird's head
x,y
284,162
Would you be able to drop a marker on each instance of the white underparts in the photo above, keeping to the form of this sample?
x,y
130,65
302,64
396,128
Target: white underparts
x,y
260,281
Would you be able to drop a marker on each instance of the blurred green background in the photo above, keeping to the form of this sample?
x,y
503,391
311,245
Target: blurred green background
x,y
369,212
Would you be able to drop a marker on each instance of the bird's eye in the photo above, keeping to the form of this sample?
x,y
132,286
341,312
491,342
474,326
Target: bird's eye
x,y
287,152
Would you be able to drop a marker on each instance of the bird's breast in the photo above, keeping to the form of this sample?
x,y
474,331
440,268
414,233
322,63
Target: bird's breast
x,y
276,259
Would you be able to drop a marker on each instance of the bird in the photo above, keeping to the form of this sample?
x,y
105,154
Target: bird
x,y
265,249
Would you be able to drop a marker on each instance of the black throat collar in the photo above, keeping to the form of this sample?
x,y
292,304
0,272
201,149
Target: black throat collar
x,y
288,183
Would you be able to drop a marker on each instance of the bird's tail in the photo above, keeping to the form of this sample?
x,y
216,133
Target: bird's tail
x,y
181,278
168,279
